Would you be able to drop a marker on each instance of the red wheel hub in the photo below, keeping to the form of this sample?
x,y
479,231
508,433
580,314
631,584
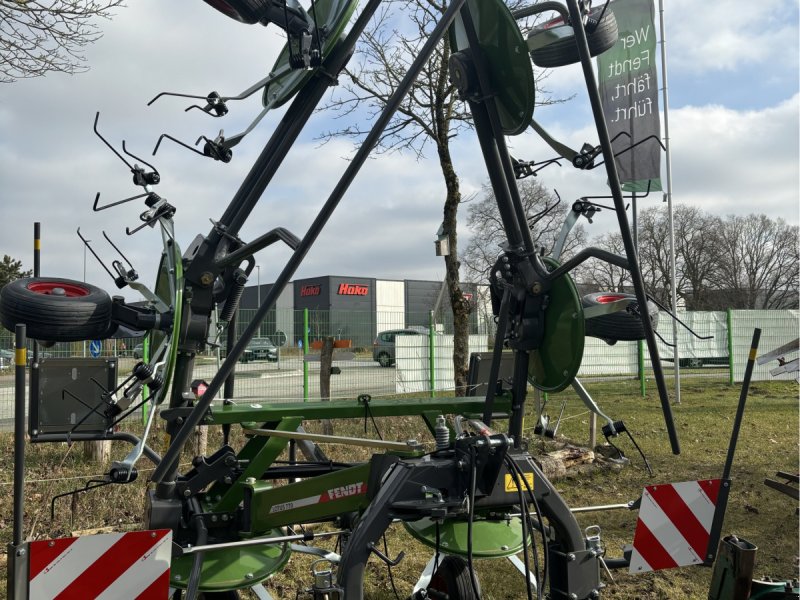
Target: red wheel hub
x,y
55,288
607,298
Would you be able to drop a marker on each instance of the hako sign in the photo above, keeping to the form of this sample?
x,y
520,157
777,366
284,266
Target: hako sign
x,y
352,289
310,290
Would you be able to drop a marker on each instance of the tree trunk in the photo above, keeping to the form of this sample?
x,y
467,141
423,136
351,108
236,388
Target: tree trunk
x,y
98,452
199,443
325,362
458,303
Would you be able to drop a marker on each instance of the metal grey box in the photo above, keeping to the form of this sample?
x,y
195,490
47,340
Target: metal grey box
x,y
67,396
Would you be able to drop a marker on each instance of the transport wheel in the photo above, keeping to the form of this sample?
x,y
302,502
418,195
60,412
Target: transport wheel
x,y
452,578
57,310
384,360
622,325
245,11
552,44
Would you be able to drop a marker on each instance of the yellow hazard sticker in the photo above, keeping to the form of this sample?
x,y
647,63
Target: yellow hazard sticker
x,y
753,353
511,482
20,356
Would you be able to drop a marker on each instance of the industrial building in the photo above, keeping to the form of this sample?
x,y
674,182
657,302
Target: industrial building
x,y
357,308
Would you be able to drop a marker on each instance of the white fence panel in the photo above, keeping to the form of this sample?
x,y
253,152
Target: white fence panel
x,y
412,369
778,327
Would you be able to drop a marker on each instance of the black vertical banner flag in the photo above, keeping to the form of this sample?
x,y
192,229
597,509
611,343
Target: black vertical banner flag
x,y
629,91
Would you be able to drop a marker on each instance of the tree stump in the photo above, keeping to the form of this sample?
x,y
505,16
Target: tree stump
x,y
98,452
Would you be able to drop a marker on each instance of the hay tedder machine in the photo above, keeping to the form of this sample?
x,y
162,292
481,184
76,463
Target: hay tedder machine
x,y
237,515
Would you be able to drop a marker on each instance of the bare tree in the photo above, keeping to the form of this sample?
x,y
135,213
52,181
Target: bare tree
x,y
429,116
43,36
758,262
601,275
697,255
545,215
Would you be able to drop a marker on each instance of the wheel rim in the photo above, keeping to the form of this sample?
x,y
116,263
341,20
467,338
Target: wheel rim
x,y
608,298
58,288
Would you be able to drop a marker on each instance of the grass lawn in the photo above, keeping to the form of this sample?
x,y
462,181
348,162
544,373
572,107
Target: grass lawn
x,y
768,443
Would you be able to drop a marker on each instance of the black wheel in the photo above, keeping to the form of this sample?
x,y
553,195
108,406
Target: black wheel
x,y
622,325
245,11
452,578
385,360
58,310
552,44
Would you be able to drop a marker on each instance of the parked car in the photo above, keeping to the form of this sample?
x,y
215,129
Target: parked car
x,y
260,349
383,348
6,359
138,351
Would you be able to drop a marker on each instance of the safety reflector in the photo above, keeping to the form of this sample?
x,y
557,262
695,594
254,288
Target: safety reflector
x,y
674,525
111,566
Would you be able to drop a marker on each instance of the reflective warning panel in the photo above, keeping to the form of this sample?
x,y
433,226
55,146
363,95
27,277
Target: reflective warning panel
x,y
674,525
110,566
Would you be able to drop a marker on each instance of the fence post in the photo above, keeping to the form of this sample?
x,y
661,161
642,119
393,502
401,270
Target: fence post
x,y
305,351
729,320
431,361
642,384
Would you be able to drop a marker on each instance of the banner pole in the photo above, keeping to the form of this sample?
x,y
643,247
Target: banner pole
x,y
668,198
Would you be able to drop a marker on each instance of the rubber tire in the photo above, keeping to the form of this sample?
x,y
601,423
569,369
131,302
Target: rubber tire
x,y
600,35
385,360
244,11
620,326
56,318
452,578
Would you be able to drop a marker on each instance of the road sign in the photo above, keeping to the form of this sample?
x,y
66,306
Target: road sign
x,y
279,339
94,348
115,565
674,525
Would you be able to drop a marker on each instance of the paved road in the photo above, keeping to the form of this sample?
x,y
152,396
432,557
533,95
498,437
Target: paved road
x,y
261,380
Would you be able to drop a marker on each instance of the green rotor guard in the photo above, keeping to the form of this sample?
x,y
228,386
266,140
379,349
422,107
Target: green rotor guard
x,y
334,16
490,539
554,365
509,64
232,568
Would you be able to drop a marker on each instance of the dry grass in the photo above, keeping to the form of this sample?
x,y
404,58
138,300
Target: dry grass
x,y
768,443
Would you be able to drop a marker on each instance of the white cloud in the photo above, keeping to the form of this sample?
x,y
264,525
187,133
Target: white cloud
x,y
728,161
711,36
51,165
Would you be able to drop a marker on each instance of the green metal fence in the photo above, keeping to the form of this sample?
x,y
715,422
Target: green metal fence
x,y
422,361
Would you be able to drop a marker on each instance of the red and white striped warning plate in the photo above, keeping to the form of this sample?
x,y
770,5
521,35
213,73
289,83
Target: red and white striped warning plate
x,y
111,566
674,525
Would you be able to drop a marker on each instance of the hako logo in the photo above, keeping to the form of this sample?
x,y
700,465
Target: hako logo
x,y
310,290
353,289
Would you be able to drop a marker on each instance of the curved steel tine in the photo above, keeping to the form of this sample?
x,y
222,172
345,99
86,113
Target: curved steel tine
x,y
113,245
95,208
177,141
132,155
177,95
96,118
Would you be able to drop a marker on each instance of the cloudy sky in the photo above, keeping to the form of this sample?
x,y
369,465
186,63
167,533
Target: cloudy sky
x,y
733,89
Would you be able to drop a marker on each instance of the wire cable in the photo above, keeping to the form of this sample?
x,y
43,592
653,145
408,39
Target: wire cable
x,y
523,506
542,528
472,484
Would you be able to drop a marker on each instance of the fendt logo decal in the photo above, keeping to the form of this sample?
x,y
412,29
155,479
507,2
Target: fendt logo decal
x,y
337,493
310,290
353,289
354,489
